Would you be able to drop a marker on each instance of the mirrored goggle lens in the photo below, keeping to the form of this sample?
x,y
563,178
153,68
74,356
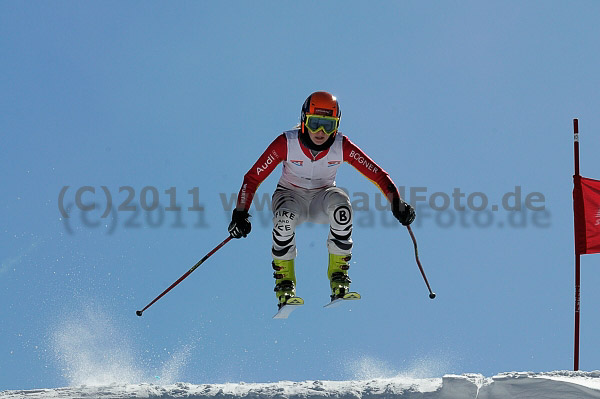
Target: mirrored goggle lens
x,y
314,123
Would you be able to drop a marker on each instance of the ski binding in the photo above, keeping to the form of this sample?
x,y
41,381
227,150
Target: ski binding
x,y
347,297
292,304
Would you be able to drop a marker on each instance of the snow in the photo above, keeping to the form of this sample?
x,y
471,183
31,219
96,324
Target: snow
x,y
548,385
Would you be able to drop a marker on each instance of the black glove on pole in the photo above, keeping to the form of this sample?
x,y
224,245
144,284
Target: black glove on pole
x,y
403,211
240,225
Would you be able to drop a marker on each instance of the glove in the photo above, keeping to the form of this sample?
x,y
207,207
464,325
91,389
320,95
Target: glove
x,y
403,211
240,224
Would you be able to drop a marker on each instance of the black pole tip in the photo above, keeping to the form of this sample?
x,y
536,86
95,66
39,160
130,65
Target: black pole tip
x,y
431,296
138,312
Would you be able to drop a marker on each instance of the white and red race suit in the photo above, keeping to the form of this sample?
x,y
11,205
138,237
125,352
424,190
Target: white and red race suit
x,y
306,190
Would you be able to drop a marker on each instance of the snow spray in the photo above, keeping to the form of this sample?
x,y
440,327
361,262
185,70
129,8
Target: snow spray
x,y
91,350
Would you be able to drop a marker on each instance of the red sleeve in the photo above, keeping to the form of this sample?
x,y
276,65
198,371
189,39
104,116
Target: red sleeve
x,y
268,161
368,168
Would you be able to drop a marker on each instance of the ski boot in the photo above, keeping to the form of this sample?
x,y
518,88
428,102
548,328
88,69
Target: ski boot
x,y
285,283
338,275
339,280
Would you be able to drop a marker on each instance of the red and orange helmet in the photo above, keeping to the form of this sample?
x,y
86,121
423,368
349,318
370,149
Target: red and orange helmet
x,y
321,103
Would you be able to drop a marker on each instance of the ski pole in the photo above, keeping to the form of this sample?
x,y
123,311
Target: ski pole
x,y
431,293
208,255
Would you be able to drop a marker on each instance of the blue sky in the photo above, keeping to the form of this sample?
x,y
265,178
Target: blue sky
x,y
478,96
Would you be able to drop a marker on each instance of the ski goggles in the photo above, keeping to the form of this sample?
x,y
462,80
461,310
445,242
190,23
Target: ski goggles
x,y
327,124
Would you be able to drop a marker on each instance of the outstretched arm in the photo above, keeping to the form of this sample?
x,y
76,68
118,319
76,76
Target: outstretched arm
x,y
368,168
240,225
262,168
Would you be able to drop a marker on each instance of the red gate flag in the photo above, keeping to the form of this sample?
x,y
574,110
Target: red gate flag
x,y
586,206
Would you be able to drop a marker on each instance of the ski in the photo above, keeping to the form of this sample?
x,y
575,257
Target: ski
x,y
338,301
292,304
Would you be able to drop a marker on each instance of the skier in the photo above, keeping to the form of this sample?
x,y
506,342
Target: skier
x,y
306,192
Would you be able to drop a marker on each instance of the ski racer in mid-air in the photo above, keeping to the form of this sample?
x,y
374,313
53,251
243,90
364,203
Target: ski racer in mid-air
x,y
311,154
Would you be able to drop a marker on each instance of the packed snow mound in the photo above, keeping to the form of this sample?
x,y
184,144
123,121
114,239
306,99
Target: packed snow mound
x,y
551,385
